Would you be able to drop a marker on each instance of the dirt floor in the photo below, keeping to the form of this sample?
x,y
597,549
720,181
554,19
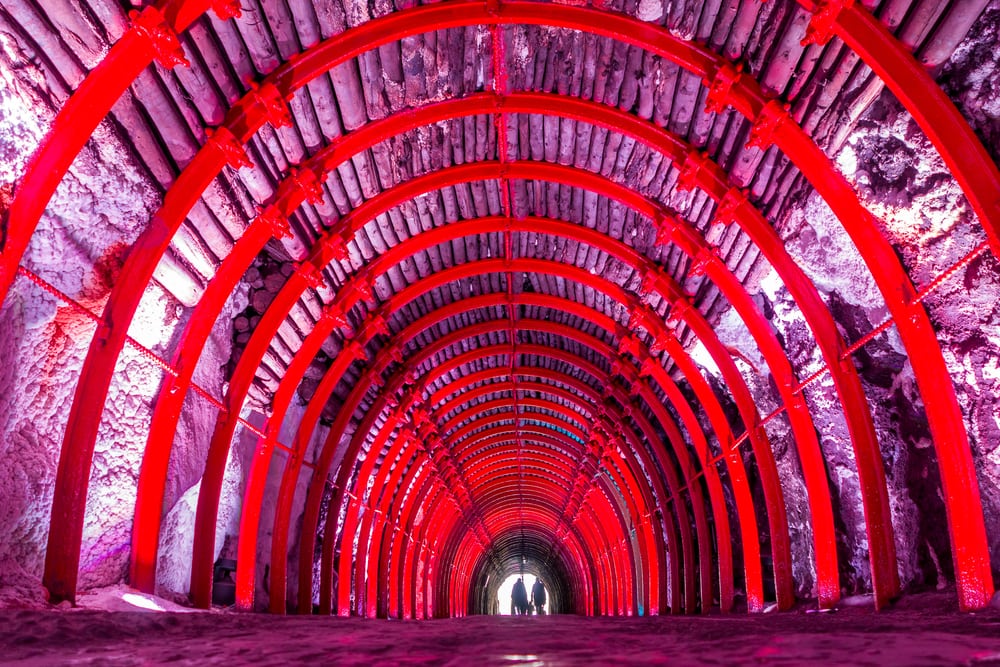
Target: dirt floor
x,y
920,630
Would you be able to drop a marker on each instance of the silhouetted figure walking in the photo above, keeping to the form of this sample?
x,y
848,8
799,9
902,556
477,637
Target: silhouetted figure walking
x,y
538,597
519,599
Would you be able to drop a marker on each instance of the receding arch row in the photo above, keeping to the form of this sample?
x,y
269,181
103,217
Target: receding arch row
x,y
246,356
852,413
497,473
492,436
492,442
963,589
614,525
502,348
539,168
259,236
655,459
273,564
530,548
362,429
443,528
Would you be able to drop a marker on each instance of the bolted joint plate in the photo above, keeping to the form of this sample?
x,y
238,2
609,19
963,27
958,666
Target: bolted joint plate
x,y
227,9
308,184
691,168
232,151
768,124
152,26
311,274
824,20
728,209
272,104
721,86
275,220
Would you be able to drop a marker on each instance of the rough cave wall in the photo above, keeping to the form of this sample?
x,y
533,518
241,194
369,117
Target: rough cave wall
x,y
904,182
79,247
971,323
287,435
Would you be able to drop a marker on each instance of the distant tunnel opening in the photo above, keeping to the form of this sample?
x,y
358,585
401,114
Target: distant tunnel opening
x,y
531,557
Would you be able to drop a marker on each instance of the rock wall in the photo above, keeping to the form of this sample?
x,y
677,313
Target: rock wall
x,y
79,245
922,210
96,214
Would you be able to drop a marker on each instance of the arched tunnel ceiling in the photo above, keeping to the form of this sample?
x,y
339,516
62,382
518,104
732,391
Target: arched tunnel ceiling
x,y
507,281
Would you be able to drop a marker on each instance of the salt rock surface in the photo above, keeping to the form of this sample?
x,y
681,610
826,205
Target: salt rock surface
x,y
96,213
78,246
924,212
917,203
173,567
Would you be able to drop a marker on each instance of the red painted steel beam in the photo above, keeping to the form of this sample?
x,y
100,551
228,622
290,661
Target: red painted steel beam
x,y
400,539
297,194
957,548
348,604
387,488
395,508
62,556
170,401
348,560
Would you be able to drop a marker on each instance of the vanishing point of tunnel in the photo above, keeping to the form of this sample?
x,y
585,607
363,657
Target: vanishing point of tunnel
x,y
360,309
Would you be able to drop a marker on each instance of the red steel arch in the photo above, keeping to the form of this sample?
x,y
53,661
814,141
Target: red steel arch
x,y
403,191
958,478
335,430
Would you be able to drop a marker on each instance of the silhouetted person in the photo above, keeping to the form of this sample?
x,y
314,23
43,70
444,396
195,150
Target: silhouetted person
x,y
538,597
519,598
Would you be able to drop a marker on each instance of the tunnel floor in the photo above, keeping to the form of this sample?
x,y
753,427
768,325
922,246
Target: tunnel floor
x,y
918,631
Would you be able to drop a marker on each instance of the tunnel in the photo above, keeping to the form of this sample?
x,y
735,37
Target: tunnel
x,y
685,308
